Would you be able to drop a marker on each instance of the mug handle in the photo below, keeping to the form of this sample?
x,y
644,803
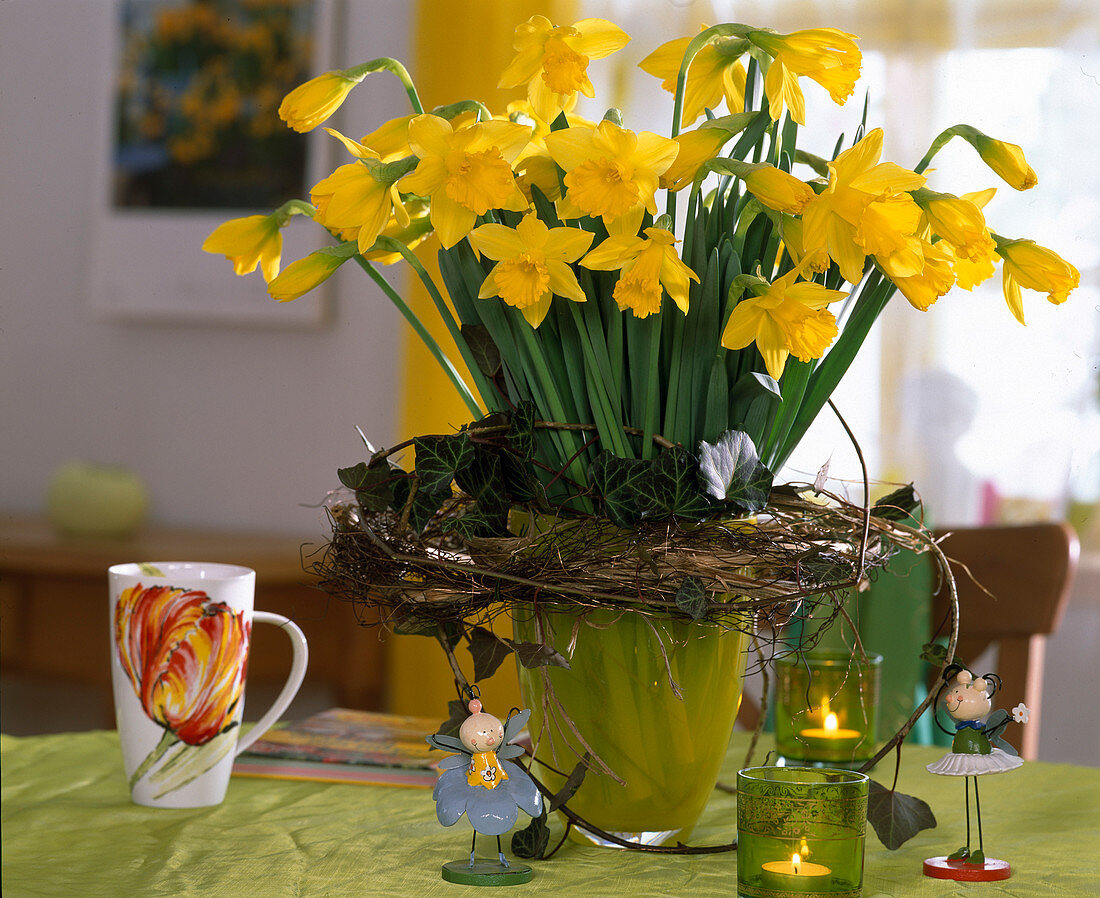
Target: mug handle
x,y
293,682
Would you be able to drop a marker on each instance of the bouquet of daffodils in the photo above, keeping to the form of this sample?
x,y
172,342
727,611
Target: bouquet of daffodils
x,y
648,323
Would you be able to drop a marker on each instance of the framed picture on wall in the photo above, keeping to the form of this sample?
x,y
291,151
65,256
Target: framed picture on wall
x,y
190,137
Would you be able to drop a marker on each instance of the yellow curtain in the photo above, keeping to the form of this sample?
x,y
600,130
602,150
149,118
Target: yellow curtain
x,y
459,50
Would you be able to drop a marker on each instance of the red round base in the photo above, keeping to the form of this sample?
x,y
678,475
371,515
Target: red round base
x,y
961,871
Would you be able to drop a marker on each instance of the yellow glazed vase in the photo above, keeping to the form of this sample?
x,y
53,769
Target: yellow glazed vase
x,y
667,749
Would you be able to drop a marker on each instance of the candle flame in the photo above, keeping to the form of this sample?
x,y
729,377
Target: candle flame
x,y
795,861
830,722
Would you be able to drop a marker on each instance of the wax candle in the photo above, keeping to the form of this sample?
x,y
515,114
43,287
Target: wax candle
x,y
795,875
830,734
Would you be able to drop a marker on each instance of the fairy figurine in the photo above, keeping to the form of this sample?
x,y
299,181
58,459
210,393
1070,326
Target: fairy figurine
x,y
482,782
976,749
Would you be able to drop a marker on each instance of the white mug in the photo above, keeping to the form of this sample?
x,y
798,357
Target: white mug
x,y
180,634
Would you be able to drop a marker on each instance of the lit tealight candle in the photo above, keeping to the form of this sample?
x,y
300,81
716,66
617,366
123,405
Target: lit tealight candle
x,y
831,732
795,875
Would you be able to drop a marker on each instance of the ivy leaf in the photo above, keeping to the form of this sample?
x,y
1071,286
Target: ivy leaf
x,y
691,598
438,460
896,817
619,481
673,486
898,505
733,472
459,713
424,504
373,483
488,650
532,841
482,348
533,654
521,430
571,785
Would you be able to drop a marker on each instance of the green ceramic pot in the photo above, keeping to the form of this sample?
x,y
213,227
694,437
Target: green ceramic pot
x,y
668,750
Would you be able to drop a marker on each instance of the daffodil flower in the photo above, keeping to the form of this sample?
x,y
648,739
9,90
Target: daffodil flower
x,y
856,179
935,277
1026,264
957,220
826,55
785,318
532,264
969,272
309,104
466,172
611,172
416,231
1006,159
255,239
303,275
775,188
715,73
357,199
696,148
646,265
553,61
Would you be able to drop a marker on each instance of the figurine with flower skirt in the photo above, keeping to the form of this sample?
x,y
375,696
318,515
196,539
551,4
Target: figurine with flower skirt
x,y
976,750
482,782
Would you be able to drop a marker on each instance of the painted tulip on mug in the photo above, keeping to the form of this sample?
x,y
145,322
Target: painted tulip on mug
x,y
176,647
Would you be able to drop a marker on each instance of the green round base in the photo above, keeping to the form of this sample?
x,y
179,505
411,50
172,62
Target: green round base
x,y
486,873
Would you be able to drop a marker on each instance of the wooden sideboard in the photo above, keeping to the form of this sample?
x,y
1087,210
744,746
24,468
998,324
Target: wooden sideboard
x,y
53,605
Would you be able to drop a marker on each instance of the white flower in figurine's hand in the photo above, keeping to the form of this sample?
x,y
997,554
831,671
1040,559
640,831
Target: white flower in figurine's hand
x,y
1021,713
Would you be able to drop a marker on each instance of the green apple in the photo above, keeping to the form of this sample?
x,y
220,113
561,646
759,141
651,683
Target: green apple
x,y
88,499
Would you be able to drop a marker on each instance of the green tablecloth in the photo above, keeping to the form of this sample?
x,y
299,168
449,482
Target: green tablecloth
x,y
69,829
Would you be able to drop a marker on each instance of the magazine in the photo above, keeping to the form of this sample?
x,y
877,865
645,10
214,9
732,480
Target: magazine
x,y
345,746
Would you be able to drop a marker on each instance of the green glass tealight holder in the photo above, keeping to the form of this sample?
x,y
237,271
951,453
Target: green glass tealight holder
x,y
826,707
800,831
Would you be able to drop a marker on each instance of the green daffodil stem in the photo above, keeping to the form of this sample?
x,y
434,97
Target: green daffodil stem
x,y
422,332
483,385
387,64
610,428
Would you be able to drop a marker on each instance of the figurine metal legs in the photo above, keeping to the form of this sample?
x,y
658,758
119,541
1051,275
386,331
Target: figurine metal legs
x,y
500,851
964,853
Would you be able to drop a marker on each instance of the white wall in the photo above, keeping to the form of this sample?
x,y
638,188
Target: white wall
x,y
229,426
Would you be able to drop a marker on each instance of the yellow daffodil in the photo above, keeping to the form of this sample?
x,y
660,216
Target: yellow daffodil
x,y
716,73
832,219
646,265
1026,264
775,188
826,55
553,61
611,173
255,239
391,140
416,231
935,277
353,200
532,264
957,220
887,230
815,261
969,272
696,147
466,172
785,318
303,275
248,242
309,104
1006,159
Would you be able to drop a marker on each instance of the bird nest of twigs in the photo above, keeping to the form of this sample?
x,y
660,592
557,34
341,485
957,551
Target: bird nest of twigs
x,y
806,546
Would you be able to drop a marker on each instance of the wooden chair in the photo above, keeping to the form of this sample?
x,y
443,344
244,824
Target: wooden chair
x,y
1013,584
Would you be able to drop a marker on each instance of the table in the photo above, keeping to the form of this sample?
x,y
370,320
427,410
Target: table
x,y
53,594
70,829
